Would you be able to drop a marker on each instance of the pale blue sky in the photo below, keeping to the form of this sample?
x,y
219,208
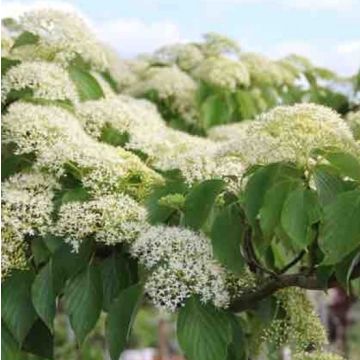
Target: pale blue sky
x,y
326,30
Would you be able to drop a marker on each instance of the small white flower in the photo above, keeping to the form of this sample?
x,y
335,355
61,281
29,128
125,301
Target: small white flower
x,y
183,265
111,219
62,36
57,139
26,207
47,81
223,72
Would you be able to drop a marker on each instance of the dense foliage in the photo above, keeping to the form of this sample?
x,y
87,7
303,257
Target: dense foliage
x,y
201,179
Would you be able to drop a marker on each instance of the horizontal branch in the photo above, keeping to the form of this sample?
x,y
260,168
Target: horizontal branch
x,y
301,280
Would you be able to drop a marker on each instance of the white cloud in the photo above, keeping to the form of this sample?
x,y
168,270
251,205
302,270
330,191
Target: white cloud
x,y
298,47
312,5
349,47
133,36
338,5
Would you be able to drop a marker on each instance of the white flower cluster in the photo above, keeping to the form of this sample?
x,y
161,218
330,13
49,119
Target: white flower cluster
x,y
62,36
289,72
47,81
353,120
229,132
111,219
182,265
120,70
166,148
223,72
192,155
36,128
264,71
58,140
171,85
6,41
286,133
186,56
168,82
140,66
317,355
96,114
301,327
216,44
26,207
297,63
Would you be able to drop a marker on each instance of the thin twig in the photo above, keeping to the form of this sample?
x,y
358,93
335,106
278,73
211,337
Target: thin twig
x,y
292,262
251,258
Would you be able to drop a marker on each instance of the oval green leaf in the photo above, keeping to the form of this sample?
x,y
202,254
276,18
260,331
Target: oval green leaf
x,y
200,201
203,331
83,301
120,319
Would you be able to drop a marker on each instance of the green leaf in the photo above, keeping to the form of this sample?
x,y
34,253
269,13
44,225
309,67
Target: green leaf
x,y
17,308
43,295
340,233
355,287
114,137
226,237
323,274
52,242
270,95
7,64
67,263
354,263
87,86
300,211
23,94
200,201
25,38
77,194
344,269
39,341
120,319
115,277
215,111
39,251
203,91
83,301
270,212
246,104
12,164
64,104
237,350
266,310
260,181
328,184
157,212
346,163
110,80
9,347
203,331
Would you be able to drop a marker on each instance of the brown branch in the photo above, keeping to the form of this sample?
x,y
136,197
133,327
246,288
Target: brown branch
x,y
301,280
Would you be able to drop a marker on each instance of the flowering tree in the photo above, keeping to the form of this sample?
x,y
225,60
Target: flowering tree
x,y
150,181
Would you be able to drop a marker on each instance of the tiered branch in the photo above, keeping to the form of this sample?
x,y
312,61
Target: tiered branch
x,y
282,281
